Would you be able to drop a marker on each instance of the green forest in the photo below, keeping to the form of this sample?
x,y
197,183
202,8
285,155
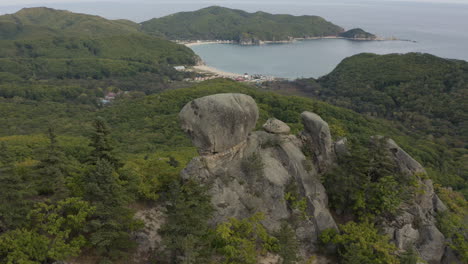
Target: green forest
x,y
74,171
421,94
229,24
106,160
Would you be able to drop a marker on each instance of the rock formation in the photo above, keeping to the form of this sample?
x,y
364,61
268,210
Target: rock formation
x,y
254,172
219,122
318,138
276,126
250,172
415,226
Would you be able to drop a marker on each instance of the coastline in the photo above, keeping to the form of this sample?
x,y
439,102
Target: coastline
x,y
217,72
205,42
213,73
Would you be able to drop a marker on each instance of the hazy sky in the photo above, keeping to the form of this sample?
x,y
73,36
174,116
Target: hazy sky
x,y
43,2
140,10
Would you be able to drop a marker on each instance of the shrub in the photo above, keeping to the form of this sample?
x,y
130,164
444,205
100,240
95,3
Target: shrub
x,y
360,243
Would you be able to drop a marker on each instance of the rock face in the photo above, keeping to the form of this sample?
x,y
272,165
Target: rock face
x,y
260,171
218,122
276,126
254,172
405,162
317,135
415,226
148,238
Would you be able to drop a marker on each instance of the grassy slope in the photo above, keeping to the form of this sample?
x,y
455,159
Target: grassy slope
x,y
228,24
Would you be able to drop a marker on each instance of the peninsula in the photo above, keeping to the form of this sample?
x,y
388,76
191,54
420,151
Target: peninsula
x,y
223,24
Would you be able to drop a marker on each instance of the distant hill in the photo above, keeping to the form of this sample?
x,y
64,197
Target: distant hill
x,y
423,91
229,24
420,93
48,43
42,21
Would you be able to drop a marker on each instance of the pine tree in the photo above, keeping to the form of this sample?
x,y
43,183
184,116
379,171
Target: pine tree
x,y
185,233
102,144
288,244
51,169
113,222
101,185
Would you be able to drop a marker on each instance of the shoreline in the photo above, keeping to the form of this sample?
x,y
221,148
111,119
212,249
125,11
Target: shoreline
x,y
213,73
205,42
217,72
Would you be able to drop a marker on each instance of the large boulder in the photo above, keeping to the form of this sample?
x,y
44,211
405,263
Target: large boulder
x,y
405,162
218,122
276,126
318,140
432,245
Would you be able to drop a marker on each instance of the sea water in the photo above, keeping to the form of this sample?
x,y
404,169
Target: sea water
x,y
439,29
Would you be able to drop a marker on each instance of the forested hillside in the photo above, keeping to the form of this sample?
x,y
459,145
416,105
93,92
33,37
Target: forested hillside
x,y
422,94
99,169
229,24
42,22
47,48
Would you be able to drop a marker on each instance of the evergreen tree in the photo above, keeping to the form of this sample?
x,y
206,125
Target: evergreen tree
x,y
102,144
113,223
288,245
186,232
101,186
51,169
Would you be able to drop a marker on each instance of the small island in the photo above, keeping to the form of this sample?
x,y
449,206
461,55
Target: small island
x,y
220,24
358,34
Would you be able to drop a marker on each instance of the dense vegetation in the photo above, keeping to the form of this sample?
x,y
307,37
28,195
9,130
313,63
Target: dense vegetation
x,y
136,158
422,94
82,57
228,24
367,182
45,22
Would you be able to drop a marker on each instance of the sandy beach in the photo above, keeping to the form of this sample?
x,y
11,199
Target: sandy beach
x,y
204,42
208,69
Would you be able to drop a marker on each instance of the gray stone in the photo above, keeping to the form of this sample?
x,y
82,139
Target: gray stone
x,y
406,237
276,126
237,190
318,139
415,225
439,206
341,147
432,245
450,257
404,161
148,238
218,122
